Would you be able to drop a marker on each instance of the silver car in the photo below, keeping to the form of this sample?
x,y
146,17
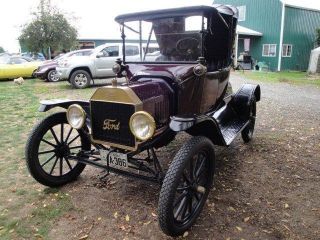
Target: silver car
x,y
80,71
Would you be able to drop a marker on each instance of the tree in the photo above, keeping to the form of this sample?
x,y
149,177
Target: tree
x,y
1,50
318,36
49,29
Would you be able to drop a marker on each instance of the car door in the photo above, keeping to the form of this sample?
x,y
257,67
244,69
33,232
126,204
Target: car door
x,y
105,59
17,68
2,70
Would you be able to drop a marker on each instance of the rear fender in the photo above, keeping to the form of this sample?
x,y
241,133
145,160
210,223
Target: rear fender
x,y
243,97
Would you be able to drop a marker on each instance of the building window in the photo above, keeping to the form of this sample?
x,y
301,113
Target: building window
x,y
242,13
269,50
286,50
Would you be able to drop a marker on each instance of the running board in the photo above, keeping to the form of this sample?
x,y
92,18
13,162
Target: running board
x,y
230,123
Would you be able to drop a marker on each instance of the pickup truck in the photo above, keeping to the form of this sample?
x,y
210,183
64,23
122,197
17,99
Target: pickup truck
x,y
80,71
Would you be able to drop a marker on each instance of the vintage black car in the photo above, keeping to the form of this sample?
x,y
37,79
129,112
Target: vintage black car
x,y
182,89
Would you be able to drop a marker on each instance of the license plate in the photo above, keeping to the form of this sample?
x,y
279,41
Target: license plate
x,y
115,159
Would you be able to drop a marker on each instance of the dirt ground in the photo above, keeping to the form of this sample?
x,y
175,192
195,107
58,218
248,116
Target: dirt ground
x,y
268,189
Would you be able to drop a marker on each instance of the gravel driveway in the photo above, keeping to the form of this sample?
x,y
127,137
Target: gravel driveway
x,y
268,189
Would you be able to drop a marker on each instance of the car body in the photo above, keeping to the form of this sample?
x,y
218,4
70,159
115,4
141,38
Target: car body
x,y
47,70
16,66
184,89
79,71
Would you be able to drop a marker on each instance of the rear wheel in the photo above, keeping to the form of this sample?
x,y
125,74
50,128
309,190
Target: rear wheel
x,y
52,76
186,186
80,79
247,132
48,147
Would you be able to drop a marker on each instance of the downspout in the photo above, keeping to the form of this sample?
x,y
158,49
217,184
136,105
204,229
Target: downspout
x,y
236,50
281,35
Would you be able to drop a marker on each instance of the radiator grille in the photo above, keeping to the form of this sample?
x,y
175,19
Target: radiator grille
x,y
118,115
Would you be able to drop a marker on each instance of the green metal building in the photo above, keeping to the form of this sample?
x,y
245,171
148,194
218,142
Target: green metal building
x,y
278,34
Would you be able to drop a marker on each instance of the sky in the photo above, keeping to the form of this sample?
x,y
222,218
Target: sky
x,y
94,18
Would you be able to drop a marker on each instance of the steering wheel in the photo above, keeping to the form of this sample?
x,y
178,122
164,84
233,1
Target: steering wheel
x,y
188,46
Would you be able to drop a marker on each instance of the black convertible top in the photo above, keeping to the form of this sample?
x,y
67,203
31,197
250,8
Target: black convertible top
x,y
178,12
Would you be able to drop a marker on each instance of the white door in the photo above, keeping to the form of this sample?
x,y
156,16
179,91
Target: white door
x,y
105,60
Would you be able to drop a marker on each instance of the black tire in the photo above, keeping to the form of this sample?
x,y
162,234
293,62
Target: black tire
x,y
247,132
60,147
80,79
52,76
179,187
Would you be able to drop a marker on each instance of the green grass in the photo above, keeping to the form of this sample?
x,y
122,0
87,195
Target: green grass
x,y
27,209
287,77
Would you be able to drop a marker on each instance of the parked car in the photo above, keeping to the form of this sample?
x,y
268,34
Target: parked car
x,y
47,70
183,90
16,66
81,71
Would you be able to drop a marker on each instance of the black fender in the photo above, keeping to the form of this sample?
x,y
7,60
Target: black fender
x,y
243,97
46,105
201,125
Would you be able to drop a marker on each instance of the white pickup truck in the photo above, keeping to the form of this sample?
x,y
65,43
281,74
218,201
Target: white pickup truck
x,y
80,71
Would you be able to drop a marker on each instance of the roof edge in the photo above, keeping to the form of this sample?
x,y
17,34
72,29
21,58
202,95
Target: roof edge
x,y
300,7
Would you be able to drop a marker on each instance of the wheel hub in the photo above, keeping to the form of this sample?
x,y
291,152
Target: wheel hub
x,y
197,188
62,150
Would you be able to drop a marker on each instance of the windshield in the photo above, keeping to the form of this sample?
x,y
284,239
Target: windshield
x,y
176,39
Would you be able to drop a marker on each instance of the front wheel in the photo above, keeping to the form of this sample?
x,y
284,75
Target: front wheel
x,y
186,186
80,79
50,143
52,76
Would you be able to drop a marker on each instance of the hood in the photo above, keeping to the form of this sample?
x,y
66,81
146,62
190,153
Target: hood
x,y
174,72
49,63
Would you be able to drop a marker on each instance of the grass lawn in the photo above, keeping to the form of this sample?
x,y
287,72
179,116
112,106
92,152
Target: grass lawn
x,y
27,208
288,77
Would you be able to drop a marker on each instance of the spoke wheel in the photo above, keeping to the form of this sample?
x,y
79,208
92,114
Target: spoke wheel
x,y
48,149
53,76
247,132
186,186
80,79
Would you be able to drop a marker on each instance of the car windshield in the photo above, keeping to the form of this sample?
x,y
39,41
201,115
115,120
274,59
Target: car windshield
x,y
176,39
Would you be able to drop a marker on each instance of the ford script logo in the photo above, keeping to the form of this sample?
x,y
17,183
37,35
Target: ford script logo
x,y
110,124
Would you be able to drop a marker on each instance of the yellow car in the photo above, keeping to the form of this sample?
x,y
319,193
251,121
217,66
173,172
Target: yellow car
x,y
14,67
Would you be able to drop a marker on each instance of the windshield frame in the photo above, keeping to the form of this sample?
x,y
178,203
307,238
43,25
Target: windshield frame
x,y
144,54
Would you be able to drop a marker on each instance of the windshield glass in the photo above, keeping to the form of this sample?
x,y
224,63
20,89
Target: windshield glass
x,y
176,39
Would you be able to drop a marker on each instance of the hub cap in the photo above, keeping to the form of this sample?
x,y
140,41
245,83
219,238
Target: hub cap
x,y
81,79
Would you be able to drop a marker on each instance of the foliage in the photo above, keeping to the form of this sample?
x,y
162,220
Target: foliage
x,y
1,49
318,36
49,29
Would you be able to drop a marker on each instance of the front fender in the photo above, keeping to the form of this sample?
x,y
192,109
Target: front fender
x,y
202,125
46,105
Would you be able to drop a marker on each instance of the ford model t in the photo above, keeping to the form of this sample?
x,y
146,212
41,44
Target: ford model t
x,y
181,88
